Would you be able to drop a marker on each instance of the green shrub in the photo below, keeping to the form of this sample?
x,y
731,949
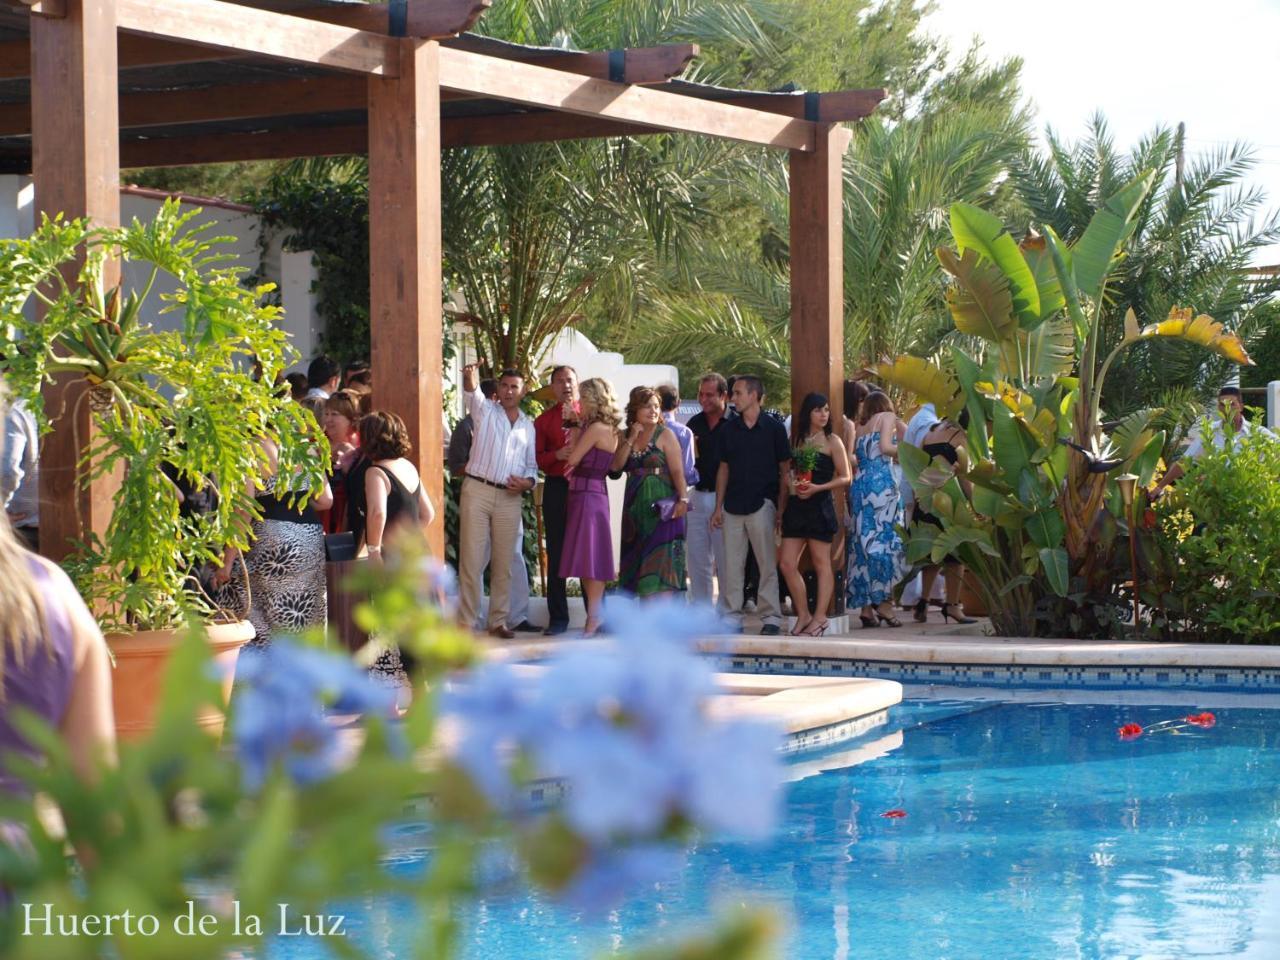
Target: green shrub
x,y
1221,529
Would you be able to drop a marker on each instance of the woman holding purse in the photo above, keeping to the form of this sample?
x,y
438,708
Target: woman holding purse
x,y
655,502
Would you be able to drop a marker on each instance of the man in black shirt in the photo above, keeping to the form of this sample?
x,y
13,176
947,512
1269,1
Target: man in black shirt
x,y
704,545
751,493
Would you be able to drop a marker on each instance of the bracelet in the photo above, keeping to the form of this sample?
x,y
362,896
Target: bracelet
x,y
374,548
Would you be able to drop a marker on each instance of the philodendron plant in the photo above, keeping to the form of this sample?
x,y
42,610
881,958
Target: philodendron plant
x,y
1045,511
195,403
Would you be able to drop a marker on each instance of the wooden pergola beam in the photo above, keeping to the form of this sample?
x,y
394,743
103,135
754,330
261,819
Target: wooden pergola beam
x,y
353,139
536,86
247,30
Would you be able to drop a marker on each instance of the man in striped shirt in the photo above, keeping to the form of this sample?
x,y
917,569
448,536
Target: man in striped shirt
x,y
502,468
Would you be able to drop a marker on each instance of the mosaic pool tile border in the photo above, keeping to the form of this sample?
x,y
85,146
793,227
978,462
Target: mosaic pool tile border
x,y
1009,675
833,733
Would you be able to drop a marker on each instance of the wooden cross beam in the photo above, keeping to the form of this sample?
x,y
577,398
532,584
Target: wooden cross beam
x,y
531,85
246,30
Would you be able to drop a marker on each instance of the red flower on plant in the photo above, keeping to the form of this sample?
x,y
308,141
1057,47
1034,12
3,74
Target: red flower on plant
x,y
1205,719
1130,731
894,814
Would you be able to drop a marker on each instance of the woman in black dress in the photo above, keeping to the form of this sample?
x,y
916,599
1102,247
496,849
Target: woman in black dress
x,y
946,440
810,517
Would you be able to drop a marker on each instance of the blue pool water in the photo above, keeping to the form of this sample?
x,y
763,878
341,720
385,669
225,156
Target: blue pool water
x,y
1031,832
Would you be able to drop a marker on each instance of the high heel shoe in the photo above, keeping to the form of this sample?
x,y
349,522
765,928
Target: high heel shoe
x,y
816,628
867,622
888,621
957,617
921,614
799,631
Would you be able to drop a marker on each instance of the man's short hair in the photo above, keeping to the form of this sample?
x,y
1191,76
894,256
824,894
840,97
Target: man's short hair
x,y
722,385
511,372
563,366
753,384
488,388
297,385
1230,391
668,398
321,371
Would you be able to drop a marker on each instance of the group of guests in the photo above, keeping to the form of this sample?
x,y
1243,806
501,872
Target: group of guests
x,y
703,503
372,488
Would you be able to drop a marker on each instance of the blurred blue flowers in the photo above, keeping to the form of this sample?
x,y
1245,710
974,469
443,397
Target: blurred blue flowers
x,y
625,724
284,691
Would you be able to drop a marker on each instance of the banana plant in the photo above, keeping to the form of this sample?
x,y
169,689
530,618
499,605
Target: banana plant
x,y
1045,511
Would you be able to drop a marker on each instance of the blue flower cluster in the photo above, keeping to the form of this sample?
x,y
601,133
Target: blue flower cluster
x,y
625,724
283,693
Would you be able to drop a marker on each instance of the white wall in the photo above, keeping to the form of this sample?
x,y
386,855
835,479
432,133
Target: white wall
x,y
292,272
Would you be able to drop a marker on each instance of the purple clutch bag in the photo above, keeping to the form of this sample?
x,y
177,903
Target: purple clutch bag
x,y
666,508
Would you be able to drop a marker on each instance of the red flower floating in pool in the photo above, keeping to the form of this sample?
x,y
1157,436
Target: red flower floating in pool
x,y
1205,719
894,814
1130,731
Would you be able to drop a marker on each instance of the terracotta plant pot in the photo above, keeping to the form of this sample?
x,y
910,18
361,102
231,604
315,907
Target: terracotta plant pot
x,y
138,677
971,597
804,476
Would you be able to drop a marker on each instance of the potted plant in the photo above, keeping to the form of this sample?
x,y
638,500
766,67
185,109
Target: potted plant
x,y
191,405
803,460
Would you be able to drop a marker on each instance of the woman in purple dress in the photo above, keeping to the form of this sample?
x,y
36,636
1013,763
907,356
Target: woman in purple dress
x,y
53,662
588,535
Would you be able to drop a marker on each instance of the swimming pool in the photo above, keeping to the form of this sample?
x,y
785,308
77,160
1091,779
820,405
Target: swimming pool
x,y
1031,831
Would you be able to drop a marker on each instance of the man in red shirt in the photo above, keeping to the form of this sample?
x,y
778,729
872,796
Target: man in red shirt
x,y
552,435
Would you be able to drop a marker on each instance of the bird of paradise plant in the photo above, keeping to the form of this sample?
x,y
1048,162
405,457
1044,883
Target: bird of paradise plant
x,y
1045,512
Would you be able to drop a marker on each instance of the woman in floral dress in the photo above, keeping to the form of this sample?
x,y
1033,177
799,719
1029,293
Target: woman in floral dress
x,y
655,502
877,558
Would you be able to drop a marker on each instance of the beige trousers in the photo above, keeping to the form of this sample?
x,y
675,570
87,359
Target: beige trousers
x,y
489,523
756,529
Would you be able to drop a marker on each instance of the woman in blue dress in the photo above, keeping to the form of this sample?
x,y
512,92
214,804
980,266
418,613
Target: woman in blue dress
x,y
877,558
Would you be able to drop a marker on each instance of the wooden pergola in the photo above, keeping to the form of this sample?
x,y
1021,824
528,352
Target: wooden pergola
x,y
87,86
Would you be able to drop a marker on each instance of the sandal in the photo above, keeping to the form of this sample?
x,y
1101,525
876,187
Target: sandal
x,y
816,628
867,622
921,614
799,631
888,621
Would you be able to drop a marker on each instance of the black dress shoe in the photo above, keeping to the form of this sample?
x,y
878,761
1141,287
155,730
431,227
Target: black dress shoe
x,y
770,630
501,633
555,630
524,626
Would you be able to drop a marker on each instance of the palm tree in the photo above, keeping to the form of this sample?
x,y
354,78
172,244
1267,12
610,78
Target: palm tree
x,y
899,181
1194,237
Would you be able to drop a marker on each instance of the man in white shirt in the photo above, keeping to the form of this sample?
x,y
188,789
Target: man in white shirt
x,y
323,375
1230,407
20,473
502,468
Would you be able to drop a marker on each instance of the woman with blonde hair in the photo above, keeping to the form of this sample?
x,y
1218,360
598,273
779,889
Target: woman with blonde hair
x,y
588,531
53,660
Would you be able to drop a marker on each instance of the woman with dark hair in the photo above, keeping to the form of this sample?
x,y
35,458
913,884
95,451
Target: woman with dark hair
x,y
855,391
810,516
945,439
655,502
877,558
393,491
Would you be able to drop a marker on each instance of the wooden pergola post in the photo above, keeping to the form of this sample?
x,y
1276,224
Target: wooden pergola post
x,y
817,269
76,166
405,287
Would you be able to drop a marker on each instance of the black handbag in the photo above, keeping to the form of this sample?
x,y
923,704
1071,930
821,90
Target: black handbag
x,y
339,547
